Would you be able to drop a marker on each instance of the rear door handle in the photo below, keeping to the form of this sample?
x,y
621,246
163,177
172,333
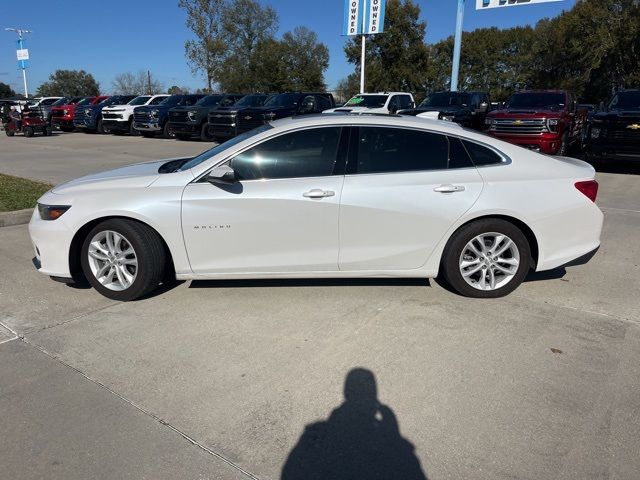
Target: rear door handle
x,y
449,188
318,193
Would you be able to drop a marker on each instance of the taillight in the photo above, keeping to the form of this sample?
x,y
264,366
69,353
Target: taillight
x,y
588,188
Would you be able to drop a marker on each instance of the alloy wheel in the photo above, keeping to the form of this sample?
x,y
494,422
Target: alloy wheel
x,y
112,260
489,261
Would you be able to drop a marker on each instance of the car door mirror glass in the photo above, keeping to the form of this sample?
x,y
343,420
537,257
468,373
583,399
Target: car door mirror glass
x,y
224,175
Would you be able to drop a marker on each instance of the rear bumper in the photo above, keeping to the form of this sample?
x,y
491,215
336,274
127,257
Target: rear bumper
x,y
542,143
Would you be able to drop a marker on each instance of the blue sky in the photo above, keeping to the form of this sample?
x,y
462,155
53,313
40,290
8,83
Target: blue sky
x,y
107,38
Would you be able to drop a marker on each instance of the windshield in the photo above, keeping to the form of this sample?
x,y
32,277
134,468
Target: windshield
x,y
209,101
282,100
367,101
223,146
62,101
446,99
543,100
141,100
171,101
108,101
251,101
625,101
85,101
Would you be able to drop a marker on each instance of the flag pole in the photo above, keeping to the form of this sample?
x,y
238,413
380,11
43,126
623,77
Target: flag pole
x,y
364,46
456,47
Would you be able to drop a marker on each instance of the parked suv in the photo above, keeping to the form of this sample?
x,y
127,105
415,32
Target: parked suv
x,y
223,121
42,106
468,109
152,119
89,118
284,105
118,119
381,102
189,121
62,115
615,131
547,121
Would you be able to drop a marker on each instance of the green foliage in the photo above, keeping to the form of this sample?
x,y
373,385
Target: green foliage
x,y
19,193
69,83
6,90
398,58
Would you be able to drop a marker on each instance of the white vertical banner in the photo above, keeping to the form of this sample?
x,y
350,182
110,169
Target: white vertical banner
x,y
374,16
352,22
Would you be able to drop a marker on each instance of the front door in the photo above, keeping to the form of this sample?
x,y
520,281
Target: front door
x,y
281,216
403,190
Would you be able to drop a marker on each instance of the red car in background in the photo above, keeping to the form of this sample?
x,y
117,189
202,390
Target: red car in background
x,y
547,121
62,115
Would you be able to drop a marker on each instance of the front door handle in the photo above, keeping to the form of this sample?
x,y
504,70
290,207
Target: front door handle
x,y
317,193
448,188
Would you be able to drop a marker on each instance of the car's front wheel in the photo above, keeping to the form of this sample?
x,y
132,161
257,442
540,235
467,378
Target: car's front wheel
x,y
487,258
123,259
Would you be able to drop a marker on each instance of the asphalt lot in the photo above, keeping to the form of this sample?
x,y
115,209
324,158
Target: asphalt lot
x,y
218,380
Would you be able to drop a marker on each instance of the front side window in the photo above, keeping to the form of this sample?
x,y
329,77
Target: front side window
x,y
405,101
305,153
141,100
388,150
157,100
48,101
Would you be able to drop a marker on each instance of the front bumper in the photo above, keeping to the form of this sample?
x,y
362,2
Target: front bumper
x,y
51,242
147,126
58,122
88,123
544,143
115,125
614,150
190,128
222,131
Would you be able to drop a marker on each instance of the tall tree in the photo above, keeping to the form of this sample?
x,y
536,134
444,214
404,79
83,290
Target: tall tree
x,y
207,50
69,83
305,60
140,83
246,24
6,90
397,58
347,87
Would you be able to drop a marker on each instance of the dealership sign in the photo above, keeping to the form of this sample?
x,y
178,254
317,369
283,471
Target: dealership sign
x,y
483,4
363,16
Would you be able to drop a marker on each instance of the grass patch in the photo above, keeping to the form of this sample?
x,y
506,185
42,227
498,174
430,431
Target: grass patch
x,y
19,193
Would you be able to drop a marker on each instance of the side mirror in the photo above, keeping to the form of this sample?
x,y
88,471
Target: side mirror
x,y
223,175
483,108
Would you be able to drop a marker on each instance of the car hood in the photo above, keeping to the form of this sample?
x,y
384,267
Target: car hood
x,y
138,175
526,113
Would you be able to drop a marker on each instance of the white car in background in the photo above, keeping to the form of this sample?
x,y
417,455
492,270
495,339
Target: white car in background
x,y
118,119
325,196
381,102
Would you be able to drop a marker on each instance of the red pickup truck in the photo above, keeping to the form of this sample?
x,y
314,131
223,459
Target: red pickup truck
x,y
62,115
544,120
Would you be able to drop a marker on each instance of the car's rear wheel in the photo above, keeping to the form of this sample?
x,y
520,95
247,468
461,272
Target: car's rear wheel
x,y
48,131
28,132
123,259
10,133
487,258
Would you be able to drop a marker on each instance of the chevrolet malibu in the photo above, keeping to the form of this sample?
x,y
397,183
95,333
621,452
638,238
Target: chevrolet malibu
x,y
325,196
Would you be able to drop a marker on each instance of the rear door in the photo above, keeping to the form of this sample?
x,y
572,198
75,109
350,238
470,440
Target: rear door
x,y
403,190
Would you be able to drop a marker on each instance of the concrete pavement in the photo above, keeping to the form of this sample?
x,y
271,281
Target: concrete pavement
x,y
540,384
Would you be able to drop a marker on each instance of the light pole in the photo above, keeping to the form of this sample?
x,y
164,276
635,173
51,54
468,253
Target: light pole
x,y
455,67
22,60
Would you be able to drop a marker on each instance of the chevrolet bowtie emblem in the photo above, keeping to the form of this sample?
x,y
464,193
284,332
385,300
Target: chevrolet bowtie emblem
x,y
634,126
517,122
248,117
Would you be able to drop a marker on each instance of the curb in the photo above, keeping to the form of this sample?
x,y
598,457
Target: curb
x,y
18,217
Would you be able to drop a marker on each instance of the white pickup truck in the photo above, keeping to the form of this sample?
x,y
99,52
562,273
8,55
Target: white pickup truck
x,y
117,119
381,102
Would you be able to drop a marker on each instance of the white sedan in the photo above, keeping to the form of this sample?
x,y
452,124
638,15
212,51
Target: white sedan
x,y
325,196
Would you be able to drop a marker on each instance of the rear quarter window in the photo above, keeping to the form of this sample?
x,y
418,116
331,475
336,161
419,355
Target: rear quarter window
x,y
481,155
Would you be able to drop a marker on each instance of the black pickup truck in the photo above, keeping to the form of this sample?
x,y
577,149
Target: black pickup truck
x,y
468,109
284,105
223,121
614,132
187,122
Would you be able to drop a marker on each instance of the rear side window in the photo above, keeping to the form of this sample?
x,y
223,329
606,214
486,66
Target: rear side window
x,y
481,155
384,149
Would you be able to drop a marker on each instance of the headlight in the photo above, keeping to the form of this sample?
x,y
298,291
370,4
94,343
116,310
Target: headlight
x,y
154,113
552,124
447,118
192,115
595,132
65,113
87,111
52,212
488,121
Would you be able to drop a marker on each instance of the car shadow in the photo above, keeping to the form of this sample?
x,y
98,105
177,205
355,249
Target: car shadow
x,y
359,440
311,282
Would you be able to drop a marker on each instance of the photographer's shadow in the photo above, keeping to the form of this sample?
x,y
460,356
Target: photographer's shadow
x,y
360,440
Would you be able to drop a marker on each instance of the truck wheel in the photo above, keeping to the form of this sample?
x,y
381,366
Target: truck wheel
x,y
204,133
28,132
165,131
564,146
10,133
47,131
99,127
132,131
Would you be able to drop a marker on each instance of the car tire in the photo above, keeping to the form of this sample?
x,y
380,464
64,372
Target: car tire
x,y
132,131
9,133
99,128
471,268
564,146
112,271
28,131
47,131
204,133
165,131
